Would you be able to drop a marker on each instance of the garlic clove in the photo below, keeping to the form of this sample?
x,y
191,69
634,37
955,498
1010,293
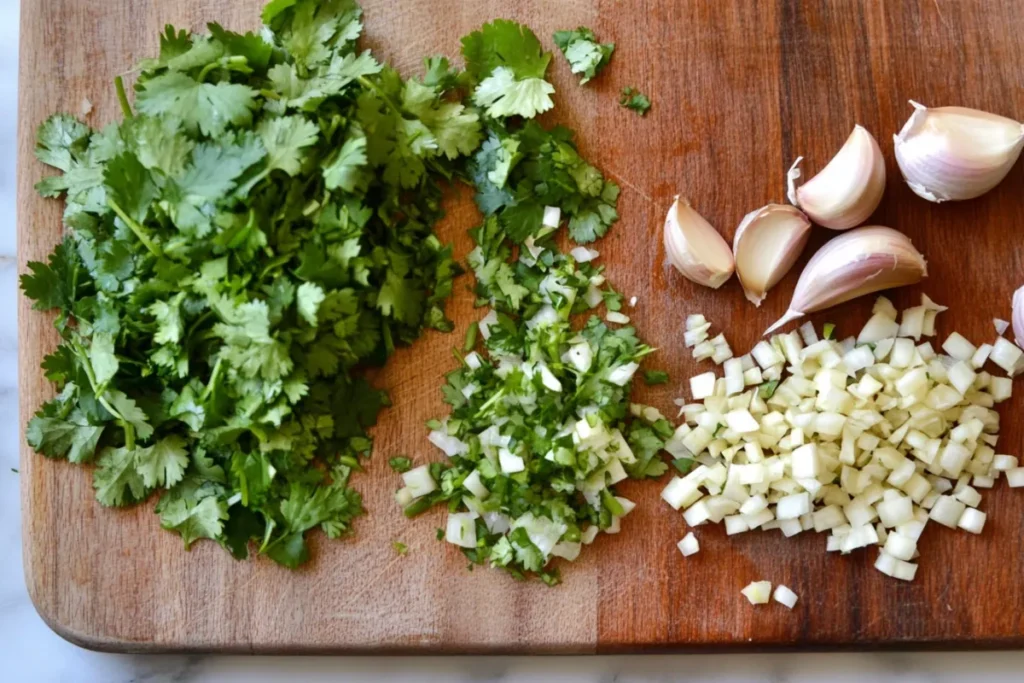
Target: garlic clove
x,y
848,190
864,260
767,243
695,248
1018,316
955,153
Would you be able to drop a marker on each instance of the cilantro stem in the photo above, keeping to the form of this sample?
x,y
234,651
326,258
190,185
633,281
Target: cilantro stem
x,y
489,403
139,231
213,379
98,391
122,97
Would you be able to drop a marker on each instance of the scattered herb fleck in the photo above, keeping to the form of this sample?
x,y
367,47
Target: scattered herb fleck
x,y
635,100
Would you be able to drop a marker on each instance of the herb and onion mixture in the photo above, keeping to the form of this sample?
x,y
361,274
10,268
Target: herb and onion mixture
x,y
540,428
258,229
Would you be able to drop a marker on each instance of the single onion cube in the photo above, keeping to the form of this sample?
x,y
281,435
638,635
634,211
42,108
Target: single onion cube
x,y
793,506
461,529
972,520
900,547
947,511
962,377
785,596
957,346
689,545
741,421
758,592
418,481
804,462
1007,356
1015,477
702,386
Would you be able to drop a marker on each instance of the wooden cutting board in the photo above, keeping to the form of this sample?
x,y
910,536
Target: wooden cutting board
x,y
740,88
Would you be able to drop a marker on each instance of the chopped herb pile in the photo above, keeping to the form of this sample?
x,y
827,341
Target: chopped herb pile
x,y
585,55
540,428
238,247
635,100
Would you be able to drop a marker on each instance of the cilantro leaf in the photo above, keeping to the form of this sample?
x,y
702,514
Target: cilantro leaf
x,y
632,98
210,107
504,95
116,479
585,55
504,43
194,519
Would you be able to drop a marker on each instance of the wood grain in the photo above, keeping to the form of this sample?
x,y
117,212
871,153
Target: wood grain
x,y
739,89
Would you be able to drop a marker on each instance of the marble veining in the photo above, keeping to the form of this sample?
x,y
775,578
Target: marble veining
x,y
31,653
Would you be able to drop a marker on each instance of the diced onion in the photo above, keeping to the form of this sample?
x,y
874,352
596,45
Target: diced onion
x,y
688,545
785,596
418,481
758,592
461,529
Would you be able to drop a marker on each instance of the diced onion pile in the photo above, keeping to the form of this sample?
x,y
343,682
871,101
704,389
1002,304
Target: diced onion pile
x,y
870,438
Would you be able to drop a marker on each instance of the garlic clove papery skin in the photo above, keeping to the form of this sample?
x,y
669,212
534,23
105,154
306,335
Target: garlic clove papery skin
x,y
858,262
850,187
695,248
1018,316
956,153
768,242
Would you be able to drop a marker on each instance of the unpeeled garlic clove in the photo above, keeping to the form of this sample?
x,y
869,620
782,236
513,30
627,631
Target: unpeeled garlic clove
x,y
864,260
954,153
695,248
1018,316
767,244
848,190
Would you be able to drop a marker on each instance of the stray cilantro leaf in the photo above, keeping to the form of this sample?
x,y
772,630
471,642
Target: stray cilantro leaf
x,y
400,463
635,100
828,329
767,390
585,55
400,548
683,465
654,377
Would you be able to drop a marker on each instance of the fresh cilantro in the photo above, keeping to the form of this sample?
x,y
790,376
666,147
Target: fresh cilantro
x,y
400,463
654,377
767,390
828,329
506,64
585,55
255,232
400,548
683,465
632,98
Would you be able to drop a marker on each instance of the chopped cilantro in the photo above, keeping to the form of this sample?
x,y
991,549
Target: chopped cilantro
x,y
683,465
828,329
654,377
400,548
585,55
767,390
635,100
400,463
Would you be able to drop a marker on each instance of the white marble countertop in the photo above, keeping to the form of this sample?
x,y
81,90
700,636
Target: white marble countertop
x,y
30,652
